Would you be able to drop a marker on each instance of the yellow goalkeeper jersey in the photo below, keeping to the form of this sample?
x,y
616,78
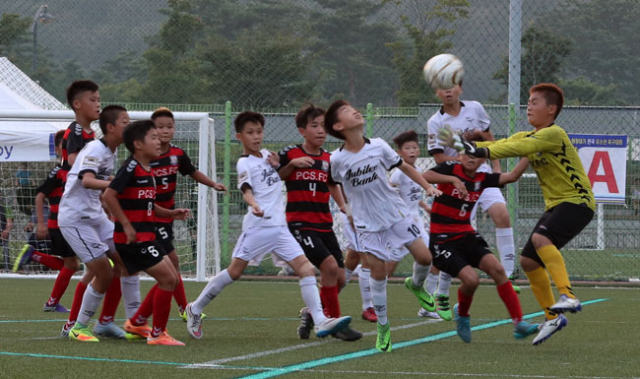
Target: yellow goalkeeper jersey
x,y
555,161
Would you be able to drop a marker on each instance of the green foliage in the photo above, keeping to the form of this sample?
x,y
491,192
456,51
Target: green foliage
x,y
581,91
14,36
424,41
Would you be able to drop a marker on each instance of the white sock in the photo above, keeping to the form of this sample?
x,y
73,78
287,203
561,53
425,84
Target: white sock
x,y
130,294
420,273
379,294
432,282
365,288
506,249
444,284
90,303
212,289
347,275
311,298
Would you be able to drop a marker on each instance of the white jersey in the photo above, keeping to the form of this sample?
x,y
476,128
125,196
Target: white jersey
x,y
472,117
363,175
410,191
79,204
258,175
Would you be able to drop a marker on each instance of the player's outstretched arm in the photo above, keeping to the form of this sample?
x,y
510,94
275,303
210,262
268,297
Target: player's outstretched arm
x,y
200,177
110,197
247,195
302,162
336,194
517,172
416,177
89,181
176,214
434,177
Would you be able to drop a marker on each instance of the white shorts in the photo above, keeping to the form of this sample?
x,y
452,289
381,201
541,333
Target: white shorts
x,y
488,197
349,234
398,254
90,241
255,243
382,244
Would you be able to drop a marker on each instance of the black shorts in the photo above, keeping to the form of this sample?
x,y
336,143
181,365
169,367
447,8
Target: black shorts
x,y
559,224
140,256
317,246
164,236
59,244
452,256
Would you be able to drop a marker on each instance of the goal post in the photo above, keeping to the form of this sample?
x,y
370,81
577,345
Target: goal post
x,y
195,133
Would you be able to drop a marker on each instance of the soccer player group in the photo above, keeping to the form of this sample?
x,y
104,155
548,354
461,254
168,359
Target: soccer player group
x,y
381,216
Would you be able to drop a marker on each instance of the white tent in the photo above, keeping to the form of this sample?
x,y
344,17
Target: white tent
x,y
22,140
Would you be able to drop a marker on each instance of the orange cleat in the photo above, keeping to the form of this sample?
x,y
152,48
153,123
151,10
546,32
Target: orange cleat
x,y
164,339
142,330
369,315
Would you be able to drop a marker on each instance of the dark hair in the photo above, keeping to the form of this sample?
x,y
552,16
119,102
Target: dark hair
x,y
552,94
331,118
245,117
162,112
57,139
402,138
308,114
136,131
78,87
109,115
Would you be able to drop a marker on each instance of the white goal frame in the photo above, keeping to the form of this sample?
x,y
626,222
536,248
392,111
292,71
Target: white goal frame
x,y
207,205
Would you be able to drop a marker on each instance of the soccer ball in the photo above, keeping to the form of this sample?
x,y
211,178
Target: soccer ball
x,y
443,71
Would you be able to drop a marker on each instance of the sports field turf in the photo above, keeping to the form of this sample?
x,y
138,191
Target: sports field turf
x,y
251,332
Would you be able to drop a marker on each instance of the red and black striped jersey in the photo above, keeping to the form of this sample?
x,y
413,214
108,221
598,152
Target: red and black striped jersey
x,y
307,191
136,190
166,169
73,141
451,213
52,189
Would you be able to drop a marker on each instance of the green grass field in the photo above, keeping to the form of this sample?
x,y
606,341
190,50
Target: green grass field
x,y
251,332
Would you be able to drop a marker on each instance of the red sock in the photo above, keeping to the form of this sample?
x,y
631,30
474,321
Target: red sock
x,y
510,299
464,303
54,263
161,309
330,300
111,301
180,295
61,284
77,302
145,309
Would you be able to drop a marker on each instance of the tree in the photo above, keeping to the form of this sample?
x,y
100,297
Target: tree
x,y
581,91
13,36
543,53
426,39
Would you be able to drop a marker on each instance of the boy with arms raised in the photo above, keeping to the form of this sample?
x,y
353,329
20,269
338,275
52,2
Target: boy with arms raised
x,y
411,193
131,199
87,229
458,248
380,217
172,160
569,200
264,230
306,171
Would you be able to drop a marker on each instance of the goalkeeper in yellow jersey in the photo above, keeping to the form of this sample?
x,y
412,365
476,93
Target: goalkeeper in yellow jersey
x,y
569,201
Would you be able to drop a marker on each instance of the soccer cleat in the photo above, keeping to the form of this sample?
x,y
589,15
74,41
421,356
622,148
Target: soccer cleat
x,y
443,308
306,324
383,342
55,308
369,315
194,323
566,304
425,313
425,299
549,327
164,339
524,329
463,325
332,325
141,331
512,279
347,334
82,333
64,333
109,330
23,257
183,316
